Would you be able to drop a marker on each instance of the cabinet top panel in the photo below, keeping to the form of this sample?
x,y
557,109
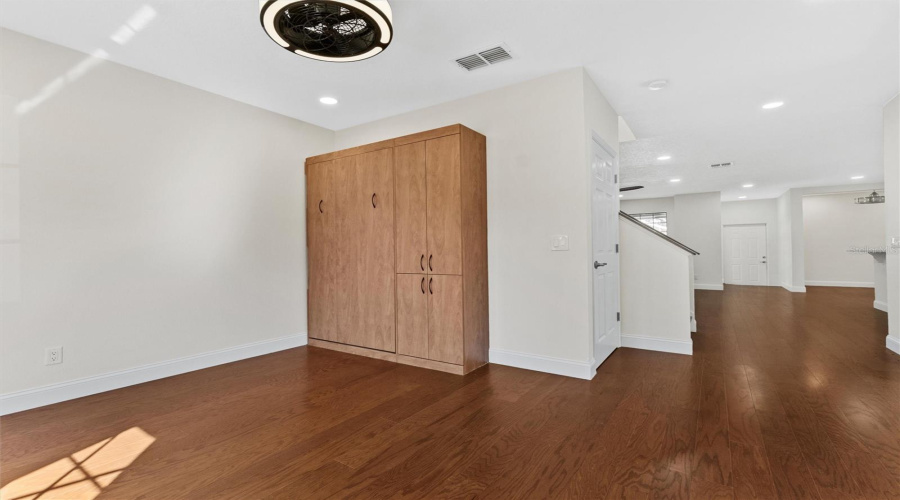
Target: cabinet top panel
x,y
398,141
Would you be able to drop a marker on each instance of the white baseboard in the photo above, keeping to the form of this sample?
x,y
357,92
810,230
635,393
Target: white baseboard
x,y
693,325
64,391
881,306
557,366
658,344
705,286
849,284
893,344
795,289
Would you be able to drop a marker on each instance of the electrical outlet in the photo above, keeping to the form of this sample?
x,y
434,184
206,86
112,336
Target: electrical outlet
x,y
53,355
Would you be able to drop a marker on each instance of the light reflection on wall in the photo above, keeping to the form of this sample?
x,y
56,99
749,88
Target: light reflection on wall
x,y
122,35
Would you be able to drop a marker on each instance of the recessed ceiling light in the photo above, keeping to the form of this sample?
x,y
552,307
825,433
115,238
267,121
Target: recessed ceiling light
x,y
742,197
857,177
329,30
657,84
748,185
773,105
621,195
331,101
664,157
674,180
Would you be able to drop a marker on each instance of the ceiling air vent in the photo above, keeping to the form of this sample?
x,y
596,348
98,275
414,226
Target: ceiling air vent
x,y
484,58
721,165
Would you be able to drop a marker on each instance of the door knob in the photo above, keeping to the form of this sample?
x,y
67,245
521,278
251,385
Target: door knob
x,y
599,264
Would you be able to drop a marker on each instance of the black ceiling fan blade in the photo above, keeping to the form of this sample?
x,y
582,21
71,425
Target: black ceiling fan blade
x,y
630,188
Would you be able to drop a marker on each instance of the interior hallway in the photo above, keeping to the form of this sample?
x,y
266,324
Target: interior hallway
x,y
786,396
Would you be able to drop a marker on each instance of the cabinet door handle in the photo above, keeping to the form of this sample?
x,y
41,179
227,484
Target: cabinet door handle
x,y
429,286
374,200
320,207
422,262
423,284
429,263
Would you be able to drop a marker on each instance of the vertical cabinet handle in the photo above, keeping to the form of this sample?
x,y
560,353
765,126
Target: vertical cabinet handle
x,y
422,262
320,207
429,286
429,263
374,200
423,284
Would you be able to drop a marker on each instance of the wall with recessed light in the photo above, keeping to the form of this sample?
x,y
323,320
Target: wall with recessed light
x,y
540,306
146,226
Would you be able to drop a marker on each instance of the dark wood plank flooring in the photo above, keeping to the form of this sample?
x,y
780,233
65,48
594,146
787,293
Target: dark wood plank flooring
x,y
786,396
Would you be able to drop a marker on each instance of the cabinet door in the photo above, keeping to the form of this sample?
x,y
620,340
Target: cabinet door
x,y
445,319
410,204
348,248
412,315
321,233
443,214
376,266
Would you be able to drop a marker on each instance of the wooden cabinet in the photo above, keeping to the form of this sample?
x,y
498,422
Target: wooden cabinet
x,y
412,315
321,217
444,233
445,319
409,206
397,240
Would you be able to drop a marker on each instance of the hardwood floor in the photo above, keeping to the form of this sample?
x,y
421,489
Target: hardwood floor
x,y
786,396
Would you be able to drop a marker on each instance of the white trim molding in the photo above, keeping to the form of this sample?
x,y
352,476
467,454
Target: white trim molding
x,y
881,305
557,366
707,286
33,398
849,284
795,289
893,344
658,344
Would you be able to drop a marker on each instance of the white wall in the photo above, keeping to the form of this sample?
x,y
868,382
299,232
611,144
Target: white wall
x,y
656,293
537,187
698,224
833,225
785,243
142,220
758,212
892,217
696,221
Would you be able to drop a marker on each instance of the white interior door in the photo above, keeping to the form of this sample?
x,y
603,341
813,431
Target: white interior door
x,y
745,255
605,258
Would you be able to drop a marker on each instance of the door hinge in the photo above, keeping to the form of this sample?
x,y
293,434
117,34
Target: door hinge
x,y
618,316
616,179
617,248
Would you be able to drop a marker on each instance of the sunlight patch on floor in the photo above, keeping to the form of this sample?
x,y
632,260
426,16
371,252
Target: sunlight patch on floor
x,y
83,474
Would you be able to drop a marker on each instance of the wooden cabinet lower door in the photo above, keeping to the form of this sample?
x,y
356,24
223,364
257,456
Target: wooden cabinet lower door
x,y
445,318
412,315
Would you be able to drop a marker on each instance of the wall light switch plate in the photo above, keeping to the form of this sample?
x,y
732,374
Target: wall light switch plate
x,y
895,242
559,243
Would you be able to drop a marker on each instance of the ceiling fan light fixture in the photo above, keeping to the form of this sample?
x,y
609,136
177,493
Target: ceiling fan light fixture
x,y
329,30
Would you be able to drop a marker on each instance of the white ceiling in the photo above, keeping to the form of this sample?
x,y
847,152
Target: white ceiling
x,y
834,63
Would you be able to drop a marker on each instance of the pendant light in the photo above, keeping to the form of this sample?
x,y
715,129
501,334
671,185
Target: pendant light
x,y
329,30
868,200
